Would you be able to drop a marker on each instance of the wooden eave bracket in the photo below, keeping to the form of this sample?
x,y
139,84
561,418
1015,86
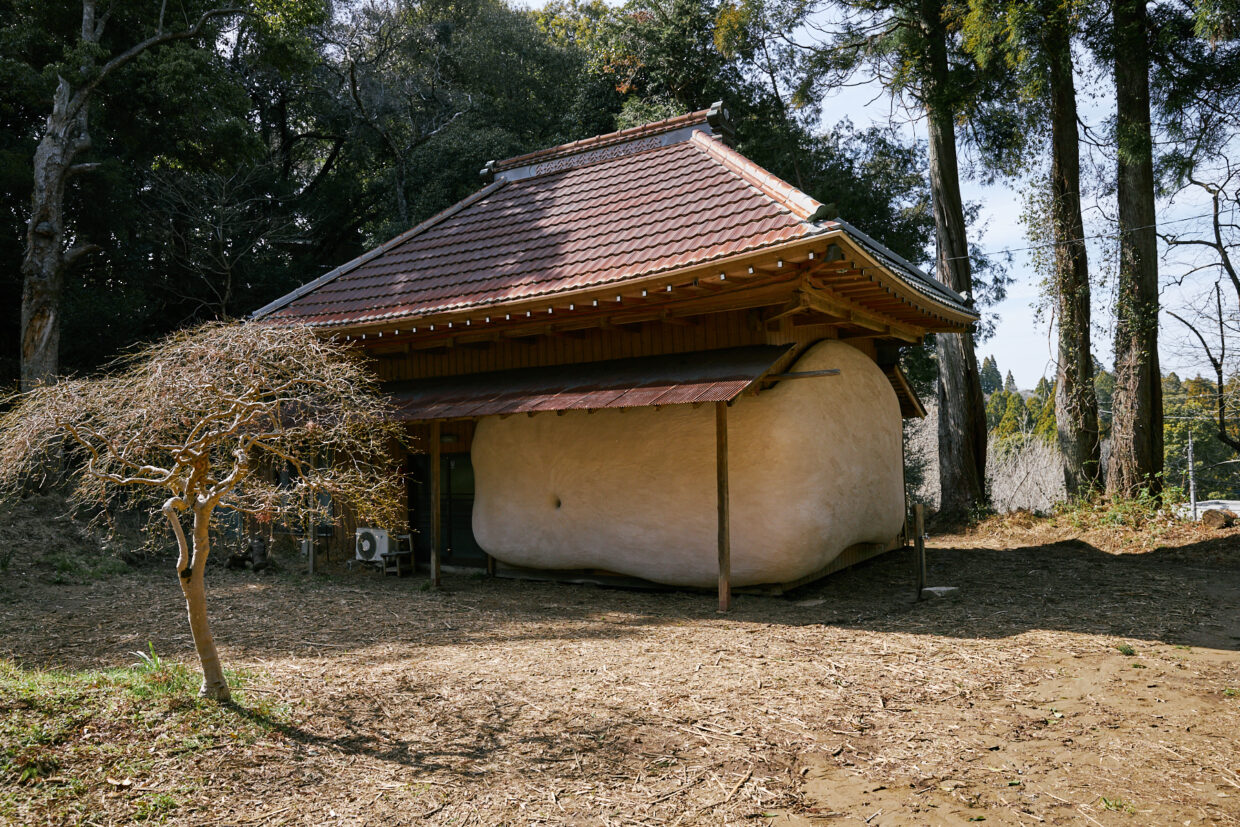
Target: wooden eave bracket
x,y
855,314
907,294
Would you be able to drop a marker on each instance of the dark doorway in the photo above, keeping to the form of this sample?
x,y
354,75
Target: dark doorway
x,y
456,510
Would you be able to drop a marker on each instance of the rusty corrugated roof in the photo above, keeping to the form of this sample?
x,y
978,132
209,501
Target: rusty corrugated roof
x,y
910,404
606,210
676,379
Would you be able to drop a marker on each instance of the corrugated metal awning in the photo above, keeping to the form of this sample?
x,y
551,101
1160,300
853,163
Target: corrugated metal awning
x,y
910,404
674,379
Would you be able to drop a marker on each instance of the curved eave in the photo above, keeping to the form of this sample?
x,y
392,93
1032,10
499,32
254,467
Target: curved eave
x,y
789,261
911,290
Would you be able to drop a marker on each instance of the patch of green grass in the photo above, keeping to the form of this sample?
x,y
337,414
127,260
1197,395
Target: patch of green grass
x,y
1126,650
154,806
1117,805
65,724
71,566
1138,511
1230,692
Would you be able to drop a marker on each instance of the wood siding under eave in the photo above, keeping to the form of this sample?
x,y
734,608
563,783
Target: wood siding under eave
x,y
734,328
717,330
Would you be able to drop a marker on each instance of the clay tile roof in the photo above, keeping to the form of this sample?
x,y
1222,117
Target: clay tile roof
x,y
601,211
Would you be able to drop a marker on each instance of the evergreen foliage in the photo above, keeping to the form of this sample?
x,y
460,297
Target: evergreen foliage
x,y
288,139
991,379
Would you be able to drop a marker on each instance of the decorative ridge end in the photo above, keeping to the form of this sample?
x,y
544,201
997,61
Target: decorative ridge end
x,y
770,185
720,121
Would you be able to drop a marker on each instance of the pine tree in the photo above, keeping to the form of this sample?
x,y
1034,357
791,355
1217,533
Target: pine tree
x,y
991,379
1009,384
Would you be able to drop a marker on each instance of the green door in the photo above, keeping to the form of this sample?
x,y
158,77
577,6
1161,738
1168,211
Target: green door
x,y
456,510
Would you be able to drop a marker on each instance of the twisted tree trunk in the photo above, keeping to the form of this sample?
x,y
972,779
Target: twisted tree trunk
x,y
1076,403
193,585
1136,459
191,572
962,407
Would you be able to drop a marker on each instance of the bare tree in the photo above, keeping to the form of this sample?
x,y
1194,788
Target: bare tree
x,y
48,255
185,426
1214,321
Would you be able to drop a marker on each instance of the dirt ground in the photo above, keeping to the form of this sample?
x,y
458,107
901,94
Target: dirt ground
x,y
1060,684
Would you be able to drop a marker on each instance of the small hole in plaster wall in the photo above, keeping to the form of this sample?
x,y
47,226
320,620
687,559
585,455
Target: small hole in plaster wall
x,y
555,501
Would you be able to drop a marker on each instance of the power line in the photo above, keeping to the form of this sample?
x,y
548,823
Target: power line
x,y
1116,234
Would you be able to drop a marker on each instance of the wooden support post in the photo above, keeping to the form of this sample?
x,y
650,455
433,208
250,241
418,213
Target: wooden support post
x,y
919,547
490,566
721,487
435,504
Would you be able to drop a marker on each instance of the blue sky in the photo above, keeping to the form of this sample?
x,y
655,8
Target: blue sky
x,y
1024,341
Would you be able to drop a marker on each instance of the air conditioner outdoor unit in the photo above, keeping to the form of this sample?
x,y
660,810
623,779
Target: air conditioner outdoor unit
x,y
370,543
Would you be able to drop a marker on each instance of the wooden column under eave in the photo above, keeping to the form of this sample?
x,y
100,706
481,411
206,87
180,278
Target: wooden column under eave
x,y
435,504
721,487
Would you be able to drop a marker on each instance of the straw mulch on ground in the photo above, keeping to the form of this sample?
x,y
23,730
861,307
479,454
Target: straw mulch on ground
x,y
1061,684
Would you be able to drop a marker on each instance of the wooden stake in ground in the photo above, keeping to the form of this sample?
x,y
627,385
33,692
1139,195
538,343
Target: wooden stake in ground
x,y
919,547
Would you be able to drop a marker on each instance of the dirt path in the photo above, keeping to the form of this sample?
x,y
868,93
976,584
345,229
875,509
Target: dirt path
x,y
497,702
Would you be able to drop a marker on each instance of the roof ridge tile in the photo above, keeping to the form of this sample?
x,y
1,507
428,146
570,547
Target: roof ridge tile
x,y
622,136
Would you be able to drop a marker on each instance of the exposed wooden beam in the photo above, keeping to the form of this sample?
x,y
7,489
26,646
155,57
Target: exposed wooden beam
x,y
804,374
827,303
436,528
721,499
667,318
798,304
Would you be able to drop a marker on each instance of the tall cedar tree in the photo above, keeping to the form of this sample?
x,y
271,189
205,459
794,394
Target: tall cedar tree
x,y
912,47
1034,39
962,408
1136,459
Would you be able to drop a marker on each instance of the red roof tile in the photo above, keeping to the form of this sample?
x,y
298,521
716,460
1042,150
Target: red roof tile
x,y
597,212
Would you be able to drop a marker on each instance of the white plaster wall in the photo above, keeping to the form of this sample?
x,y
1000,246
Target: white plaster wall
x,y
815,467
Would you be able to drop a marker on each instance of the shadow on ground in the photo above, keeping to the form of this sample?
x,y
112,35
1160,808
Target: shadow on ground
x,y
1187,595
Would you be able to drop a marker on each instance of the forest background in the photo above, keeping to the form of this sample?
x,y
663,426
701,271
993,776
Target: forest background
x,y
288,136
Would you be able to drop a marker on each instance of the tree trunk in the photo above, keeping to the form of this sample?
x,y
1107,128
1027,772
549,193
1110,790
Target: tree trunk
x,y
1136,459
962,408
1076,403
45,260
193,585
44,264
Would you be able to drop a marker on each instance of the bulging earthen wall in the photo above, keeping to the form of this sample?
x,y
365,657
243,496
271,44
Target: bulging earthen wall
x,y
815,467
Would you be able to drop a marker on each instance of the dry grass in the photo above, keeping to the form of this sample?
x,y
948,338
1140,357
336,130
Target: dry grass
x,y
499,702
1113,526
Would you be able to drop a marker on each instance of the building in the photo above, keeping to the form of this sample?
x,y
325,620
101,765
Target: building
x,y
642,354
